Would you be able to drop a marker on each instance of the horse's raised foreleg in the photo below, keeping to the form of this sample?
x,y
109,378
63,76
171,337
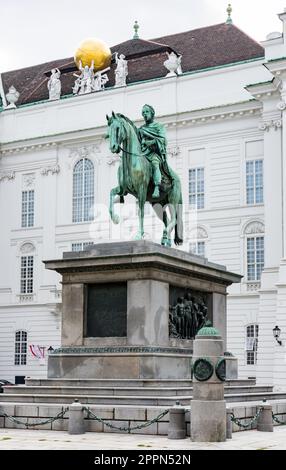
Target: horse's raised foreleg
x,y
113,193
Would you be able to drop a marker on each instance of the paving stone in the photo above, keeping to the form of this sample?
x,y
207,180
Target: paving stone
x,y
20,439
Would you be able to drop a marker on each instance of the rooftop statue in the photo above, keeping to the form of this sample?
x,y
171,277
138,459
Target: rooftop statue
x,y
121,71
12,97
145,173
89,81
54,85
84,81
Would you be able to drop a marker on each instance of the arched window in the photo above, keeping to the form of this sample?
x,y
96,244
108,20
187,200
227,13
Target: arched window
x,y
20,348
251,344
254,233
83,191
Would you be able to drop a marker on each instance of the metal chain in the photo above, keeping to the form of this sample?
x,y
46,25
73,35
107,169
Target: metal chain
x,y
274,417
91,415
238,422
46,421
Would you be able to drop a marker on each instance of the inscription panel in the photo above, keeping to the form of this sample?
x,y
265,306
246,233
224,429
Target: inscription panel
x,y
106,310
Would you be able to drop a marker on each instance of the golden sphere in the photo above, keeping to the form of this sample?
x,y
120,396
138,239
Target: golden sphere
x,y
93,49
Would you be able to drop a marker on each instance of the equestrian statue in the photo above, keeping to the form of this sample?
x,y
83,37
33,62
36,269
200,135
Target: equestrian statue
x,y
145,173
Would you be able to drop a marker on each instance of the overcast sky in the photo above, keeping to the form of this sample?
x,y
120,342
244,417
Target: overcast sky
x,y
36,31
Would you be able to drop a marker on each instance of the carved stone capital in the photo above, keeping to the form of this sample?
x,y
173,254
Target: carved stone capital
x,y
50,170
273,124
8,175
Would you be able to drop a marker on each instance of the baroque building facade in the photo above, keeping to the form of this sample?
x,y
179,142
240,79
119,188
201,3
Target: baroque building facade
x,y
225,119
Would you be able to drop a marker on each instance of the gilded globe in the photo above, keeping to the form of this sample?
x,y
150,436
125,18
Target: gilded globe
x,y
93,49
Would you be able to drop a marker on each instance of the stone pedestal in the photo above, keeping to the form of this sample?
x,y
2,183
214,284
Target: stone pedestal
x,y
117,304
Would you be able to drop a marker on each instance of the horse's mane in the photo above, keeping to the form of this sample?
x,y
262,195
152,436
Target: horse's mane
x,y
128,120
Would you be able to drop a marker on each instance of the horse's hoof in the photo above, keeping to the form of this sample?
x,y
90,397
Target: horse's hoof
x,y
139,236
166,242
116,219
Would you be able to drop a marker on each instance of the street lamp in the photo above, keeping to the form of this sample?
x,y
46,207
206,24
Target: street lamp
x,y
276,334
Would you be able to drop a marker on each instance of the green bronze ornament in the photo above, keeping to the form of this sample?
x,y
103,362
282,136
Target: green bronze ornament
x,y
220,369
145,173
203,369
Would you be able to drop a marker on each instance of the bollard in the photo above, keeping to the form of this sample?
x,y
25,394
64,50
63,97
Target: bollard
x,y
264,421
76,418
177,422
228,424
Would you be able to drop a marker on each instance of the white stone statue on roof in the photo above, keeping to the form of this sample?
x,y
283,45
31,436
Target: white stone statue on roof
x,y
12,97
54,85
173,64
85,81
100,79
121,71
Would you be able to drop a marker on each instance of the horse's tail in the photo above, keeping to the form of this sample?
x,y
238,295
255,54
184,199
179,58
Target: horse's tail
x,y
175,198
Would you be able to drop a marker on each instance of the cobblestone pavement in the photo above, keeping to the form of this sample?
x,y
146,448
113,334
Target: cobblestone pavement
x,y
52,440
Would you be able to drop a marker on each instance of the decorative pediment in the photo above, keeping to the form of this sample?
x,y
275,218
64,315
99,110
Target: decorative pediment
x,y
254,227
27,248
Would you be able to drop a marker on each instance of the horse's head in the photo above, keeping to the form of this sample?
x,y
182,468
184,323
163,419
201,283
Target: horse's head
x,y
115,132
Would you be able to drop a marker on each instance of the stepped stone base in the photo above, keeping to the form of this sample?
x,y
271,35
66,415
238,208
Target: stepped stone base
x,y
120,363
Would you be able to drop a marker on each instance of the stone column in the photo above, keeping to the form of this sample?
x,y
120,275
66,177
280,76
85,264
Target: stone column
x,y
72,314
208,408
147,313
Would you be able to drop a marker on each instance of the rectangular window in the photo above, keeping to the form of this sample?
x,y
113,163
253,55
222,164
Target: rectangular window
x,y
27,274
28,208
198,248
20,358
81,246
254,182
251,344
197,187
255,258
